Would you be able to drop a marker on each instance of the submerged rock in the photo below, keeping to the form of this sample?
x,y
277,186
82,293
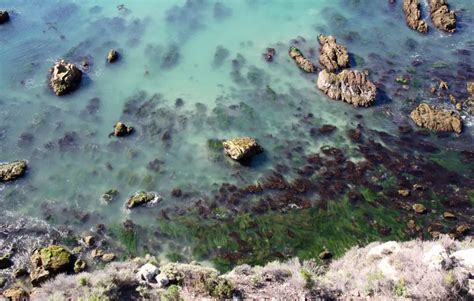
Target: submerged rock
x,y
13,170
121,130
48,262
442,17
141,198
412,11
65,77
242,148
436,119
4,16
112,56
332,56
269,54
350,86
303,63
5,262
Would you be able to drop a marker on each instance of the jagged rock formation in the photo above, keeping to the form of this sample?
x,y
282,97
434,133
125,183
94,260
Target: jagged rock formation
x,y
4,16
442,17
350,86
241,148
332,56
412,11
12,170
302,62
436,119
65,77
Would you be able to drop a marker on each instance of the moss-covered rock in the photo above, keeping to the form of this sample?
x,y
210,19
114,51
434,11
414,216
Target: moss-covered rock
x,y
141,198
48,262
13,170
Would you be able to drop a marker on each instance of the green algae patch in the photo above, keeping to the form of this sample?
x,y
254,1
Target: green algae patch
x,y
257,239
452,162
55,257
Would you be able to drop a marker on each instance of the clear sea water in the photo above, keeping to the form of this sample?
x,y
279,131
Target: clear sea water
x,y
168,51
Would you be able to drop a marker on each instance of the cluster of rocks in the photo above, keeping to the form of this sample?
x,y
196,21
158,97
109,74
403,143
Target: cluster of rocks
x,y
412,11
441,16
4,17
302,62
351,86
436,119
12,170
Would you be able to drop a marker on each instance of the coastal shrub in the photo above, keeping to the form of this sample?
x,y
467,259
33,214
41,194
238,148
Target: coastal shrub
x,y
171,294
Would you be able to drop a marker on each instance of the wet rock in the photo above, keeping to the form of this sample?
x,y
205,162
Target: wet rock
x,y
141,198
97,253
241,148
404,192
269,54
436,119
89,240
470,88
4,16
325,255
442,17
412,11
303,63
5,262
443,85
48,262
220,56
449,215
419,208
350,86
112,56
65,77
462,229
19,272
121,130
110,196
13,170
332,56
79,266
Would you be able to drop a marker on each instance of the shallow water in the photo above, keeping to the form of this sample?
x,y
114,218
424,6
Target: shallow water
x,y
168,51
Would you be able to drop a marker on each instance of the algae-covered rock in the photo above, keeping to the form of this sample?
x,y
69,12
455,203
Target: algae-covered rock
x,y
350,86
332,56
110,195
48,262
4,16
79,266
241,148
302,62
141,198
442,17
436,119
412,11
112,56
12,170
65,77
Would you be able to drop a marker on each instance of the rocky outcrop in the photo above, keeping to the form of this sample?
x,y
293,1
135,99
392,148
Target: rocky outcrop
x,y
142,198
302,62
65,77
4,16
121,130
350,86
442,17
436,119
470,89
332,56
48,262
112,56
412,11
13,170
241,148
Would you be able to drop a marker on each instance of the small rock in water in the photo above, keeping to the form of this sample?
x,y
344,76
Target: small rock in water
x,y
112,56
412,11
350,86
333,56
443,85
13,170
302,62
448,215
269,54
436,119
241,148
108,257
65,77
142,198
121,130
419,208
442,17
110,195
4,16
404,192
